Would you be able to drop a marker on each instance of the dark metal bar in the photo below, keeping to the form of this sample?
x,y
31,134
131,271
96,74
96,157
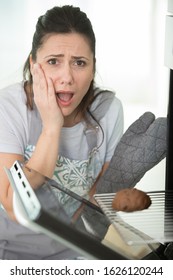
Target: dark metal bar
x,y
169,156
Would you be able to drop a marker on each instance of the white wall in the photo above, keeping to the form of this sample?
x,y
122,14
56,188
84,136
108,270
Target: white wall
x,y
130,52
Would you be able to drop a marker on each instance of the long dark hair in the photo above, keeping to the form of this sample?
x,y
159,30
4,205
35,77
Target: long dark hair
x,y
60,20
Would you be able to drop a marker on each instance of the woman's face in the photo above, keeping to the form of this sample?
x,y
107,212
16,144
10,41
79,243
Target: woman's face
x,y
68,60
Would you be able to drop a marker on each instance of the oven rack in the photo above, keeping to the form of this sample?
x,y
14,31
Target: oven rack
x,y
151,225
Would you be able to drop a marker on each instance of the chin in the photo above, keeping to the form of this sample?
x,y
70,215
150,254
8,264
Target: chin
x,y
66,112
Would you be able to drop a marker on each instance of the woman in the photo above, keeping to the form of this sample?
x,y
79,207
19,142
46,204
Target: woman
x,y
56,121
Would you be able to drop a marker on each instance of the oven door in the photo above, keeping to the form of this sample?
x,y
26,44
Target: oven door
x,y
89,231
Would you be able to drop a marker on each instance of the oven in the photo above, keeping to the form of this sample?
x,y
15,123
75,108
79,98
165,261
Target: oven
x,y
99,232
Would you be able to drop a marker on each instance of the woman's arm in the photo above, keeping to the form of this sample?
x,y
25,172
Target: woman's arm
x,y
6,192
45,154
43,160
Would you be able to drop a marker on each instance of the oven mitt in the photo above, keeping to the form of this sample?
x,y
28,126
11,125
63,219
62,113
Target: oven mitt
x,y
141,147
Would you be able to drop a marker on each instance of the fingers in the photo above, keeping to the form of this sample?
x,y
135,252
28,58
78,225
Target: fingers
x,y
39,82
42,85
50,89
45,98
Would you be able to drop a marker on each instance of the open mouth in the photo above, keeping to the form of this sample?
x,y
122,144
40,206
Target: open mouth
x,y
64,97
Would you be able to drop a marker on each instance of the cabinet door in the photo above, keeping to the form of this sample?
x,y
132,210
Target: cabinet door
x,y
168,60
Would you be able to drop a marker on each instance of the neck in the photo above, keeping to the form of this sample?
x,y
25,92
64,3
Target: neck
x,y
72,120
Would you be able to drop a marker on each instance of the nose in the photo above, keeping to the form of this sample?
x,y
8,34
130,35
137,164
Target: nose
x,y
66,75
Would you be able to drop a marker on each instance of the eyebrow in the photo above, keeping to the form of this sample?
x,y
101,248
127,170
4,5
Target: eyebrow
x,y
62,55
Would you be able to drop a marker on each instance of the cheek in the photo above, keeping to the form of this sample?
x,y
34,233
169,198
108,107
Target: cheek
x,y
92,74
86,80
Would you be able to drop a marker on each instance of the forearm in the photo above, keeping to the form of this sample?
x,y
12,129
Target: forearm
x,y
42,160
45,155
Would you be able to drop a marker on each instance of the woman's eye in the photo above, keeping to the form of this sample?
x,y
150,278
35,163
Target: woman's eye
x,y
52,61
80,63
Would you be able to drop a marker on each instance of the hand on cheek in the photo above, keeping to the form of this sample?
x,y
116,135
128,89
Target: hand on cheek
x,y
45,99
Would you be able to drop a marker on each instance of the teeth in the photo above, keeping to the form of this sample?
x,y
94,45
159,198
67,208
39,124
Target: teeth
x,y
65,96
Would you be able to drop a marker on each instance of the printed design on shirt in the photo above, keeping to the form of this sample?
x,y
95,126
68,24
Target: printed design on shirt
x,y
76,175
73,173
28,151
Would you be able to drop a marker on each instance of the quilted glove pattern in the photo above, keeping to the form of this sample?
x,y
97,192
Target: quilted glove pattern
x,y
141,147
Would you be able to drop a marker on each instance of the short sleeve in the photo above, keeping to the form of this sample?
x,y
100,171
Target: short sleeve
x,y
9,141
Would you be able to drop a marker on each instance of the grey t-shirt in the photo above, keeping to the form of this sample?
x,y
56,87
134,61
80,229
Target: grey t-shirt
x,y
78,167
19,127
78,163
